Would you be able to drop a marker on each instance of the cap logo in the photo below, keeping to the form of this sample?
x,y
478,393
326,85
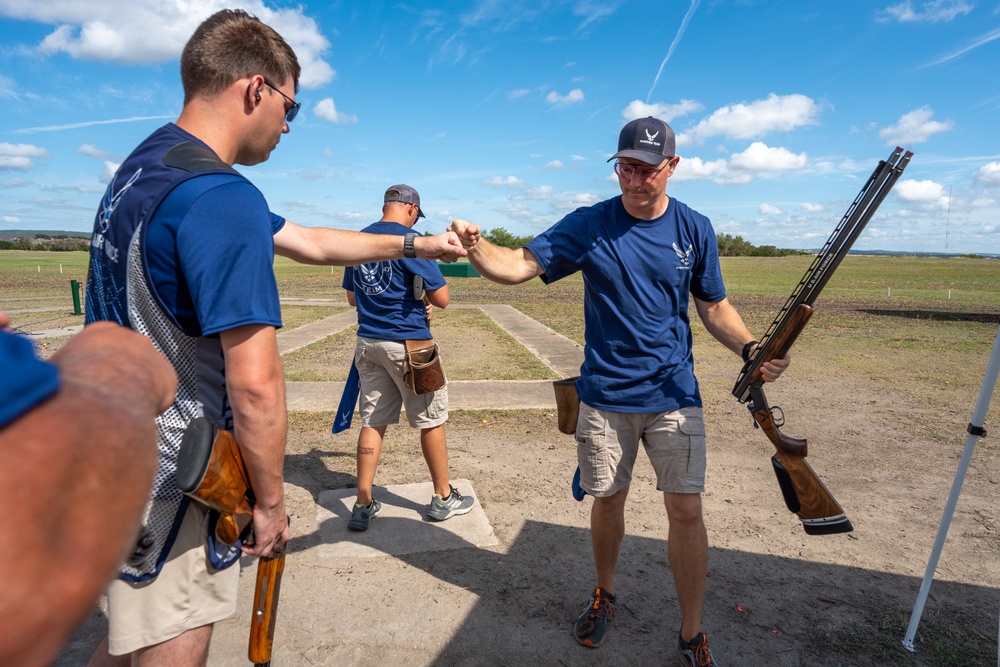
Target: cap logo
x,y
650,138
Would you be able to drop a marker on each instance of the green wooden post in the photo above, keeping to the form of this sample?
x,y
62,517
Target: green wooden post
x,y
75,286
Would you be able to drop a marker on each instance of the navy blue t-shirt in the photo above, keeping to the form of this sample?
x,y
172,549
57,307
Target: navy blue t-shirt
x,y
210,255
383,292
638,275
27,380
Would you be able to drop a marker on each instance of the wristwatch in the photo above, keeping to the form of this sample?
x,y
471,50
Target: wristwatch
x,y
747,349
408,250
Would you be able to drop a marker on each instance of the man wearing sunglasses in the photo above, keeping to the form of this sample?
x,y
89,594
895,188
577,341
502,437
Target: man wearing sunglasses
x,y
642,255
182,251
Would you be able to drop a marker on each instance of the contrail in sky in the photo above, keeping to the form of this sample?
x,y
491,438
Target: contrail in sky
x,y
74,126
677,38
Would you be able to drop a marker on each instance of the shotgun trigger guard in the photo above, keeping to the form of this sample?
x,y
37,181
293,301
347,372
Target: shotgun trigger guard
x,y
778,416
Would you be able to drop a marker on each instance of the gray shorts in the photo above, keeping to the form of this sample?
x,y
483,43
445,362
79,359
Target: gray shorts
x,y
187,594
608,442
383,392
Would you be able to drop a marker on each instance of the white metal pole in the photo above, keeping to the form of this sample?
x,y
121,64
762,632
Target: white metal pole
x,y
975,431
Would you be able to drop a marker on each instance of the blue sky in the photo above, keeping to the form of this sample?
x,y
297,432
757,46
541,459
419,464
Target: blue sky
x,y
504,113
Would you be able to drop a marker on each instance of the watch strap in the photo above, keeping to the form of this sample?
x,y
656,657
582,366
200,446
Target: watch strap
x,y
408,249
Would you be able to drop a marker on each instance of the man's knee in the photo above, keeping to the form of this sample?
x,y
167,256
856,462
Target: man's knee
x,y
683,508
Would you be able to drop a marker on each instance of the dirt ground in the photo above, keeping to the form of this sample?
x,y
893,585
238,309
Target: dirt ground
x,y
775,595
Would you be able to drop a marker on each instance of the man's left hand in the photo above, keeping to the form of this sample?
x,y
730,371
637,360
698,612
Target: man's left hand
x,y
772,370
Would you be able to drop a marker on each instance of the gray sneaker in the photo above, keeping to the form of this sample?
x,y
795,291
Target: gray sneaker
x,y
695,653
362,515
445,508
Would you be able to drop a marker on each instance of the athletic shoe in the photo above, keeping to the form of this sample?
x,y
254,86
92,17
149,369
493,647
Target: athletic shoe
x,y
593,621
696,653
362,515
445,508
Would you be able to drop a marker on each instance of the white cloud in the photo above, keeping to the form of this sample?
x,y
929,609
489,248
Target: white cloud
x,y
744,121
325,109
542,192
555,164
934,11
982,202
10,219
807,207
665,112
574,200
14,163
989,174
22,150
769,209
19,157
519,93
155,31
694,168
109,171
761,157
913,128
91,150
925,194
504,182
572,97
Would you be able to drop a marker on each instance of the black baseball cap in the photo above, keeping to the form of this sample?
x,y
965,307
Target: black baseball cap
x,y
404,194
648,140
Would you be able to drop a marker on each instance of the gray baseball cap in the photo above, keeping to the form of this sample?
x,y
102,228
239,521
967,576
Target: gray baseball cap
x,y
648,140
405,195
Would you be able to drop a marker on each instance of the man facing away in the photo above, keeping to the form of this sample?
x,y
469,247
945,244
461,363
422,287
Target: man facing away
x,y
642,255
182,251
390,312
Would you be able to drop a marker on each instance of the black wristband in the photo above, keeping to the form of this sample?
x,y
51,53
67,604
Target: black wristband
x,y
408,250
747,349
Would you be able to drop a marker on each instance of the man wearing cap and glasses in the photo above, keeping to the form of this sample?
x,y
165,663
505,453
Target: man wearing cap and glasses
x,y
390,311
182,251
642,255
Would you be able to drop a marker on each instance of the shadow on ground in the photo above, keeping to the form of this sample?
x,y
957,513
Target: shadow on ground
x,y
779,615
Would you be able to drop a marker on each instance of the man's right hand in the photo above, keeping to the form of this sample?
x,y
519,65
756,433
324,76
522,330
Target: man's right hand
x,y
270,530
467,232
444,247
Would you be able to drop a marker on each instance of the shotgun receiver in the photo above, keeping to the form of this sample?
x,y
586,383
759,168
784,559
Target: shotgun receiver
x,y
210,470
804,493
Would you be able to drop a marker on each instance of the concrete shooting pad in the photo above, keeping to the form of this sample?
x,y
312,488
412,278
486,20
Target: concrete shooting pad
x,y
402,527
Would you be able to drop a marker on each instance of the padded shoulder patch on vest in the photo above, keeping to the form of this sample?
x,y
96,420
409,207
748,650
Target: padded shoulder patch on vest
x,y
189,156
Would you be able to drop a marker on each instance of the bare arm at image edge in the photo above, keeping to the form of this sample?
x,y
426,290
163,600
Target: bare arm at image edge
x,y
75,475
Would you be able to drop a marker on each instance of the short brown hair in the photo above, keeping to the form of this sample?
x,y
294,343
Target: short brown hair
x,y
230,45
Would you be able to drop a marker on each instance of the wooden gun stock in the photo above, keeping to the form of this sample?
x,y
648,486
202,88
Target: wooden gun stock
x,y
210,469
265,607
804,492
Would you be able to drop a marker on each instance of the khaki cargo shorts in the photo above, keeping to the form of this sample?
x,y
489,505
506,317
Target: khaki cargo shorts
x,y
383,392
187,594
608,442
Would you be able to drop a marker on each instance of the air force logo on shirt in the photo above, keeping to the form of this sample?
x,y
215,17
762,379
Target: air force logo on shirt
x,y
684,256
373,278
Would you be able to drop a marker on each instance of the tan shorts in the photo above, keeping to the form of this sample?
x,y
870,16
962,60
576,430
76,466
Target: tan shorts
x,y
383,392
188,593
608,442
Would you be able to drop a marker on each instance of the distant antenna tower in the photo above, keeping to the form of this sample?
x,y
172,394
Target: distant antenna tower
x,y
947,221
